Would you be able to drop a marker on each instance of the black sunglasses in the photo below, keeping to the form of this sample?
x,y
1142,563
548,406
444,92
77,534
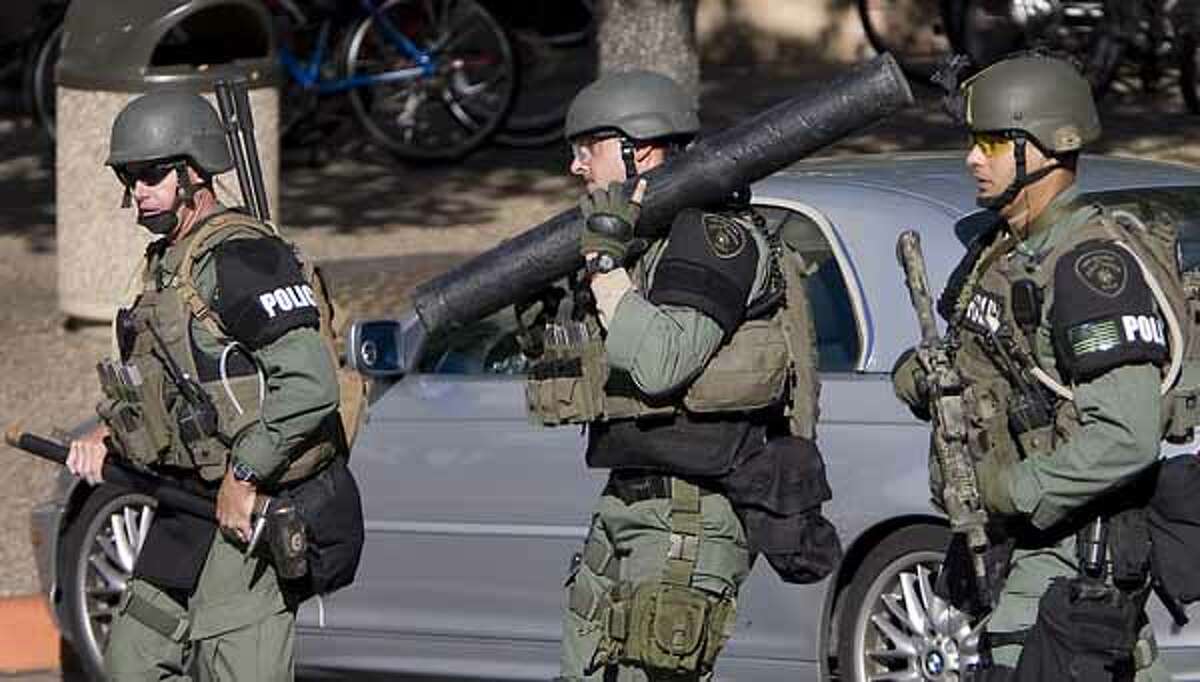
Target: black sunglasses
x,y
150,173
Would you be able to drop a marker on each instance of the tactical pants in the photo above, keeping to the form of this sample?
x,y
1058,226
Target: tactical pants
x,y
1030,576
235,626
631,543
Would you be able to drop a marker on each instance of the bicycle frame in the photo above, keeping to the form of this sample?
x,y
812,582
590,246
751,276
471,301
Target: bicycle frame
x,y
308,73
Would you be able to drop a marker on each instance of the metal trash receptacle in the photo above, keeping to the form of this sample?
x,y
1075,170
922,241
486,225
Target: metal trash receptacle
x,y
111,53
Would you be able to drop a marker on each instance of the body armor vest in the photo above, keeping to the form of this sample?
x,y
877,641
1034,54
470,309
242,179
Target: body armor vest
x,y
753,369
172,403
994,354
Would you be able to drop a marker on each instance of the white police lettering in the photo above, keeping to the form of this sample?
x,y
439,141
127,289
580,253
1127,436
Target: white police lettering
x,y
1144,328
984,312
286,299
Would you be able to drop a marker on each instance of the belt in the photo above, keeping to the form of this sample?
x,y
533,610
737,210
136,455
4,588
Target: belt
x,y
638,486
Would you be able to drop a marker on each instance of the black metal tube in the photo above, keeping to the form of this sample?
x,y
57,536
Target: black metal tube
x,y
167,492
246,123
714,167
228,109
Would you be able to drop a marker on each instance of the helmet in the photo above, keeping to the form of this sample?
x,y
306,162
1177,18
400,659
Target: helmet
x,y
640,105
1043,97
161,125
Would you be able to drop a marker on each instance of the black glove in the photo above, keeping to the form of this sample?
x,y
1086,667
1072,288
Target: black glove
x,y
609,218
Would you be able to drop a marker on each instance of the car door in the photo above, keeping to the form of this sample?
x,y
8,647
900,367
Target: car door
x,y
472,515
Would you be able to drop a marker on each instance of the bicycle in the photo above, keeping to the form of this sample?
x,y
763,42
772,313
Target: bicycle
x,y
556,52
428,81
918,33
1120,44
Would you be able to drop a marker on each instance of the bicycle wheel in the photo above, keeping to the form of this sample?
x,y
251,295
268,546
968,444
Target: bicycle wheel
x,y
460,100
38,80
556,53
914,31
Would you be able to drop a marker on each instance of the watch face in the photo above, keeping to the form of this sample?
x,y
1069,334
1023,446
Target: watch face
x,y
242,472
605,263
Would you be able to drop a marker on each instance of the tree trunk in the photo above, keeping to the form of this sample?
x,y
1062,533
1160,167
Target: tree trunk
x,y
656,35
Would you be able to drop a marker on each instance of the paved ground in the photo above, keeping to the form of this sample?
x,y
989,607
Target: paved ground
x,y
365,207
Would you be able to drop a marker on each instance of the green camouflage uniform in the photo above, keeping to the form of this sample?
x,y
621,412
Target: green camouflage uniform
x,y
237,624
1112,432
663,348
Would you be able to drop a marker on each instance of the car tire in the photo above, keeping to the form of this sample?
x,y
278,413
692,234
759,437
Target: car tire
x,y
97,554
890,622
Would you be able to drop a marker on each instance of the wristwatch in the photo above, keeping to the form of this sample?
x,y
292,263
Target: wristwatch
x,y
600,264
243,473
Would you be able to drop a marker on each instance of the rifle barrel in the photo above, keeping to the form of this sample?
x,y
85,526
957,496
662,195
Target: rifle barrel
x,y
908,252
229,121
246,123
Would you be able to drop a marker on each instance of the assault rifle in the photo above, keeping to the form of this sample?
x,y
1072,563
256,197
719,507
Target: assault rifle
x,y
960,492
233,101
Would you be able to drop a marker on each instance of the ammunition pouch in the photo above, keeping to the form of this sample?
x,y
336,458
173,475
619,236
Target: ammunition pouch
x,y
572,383
1085,630
566,385
138,424
665,628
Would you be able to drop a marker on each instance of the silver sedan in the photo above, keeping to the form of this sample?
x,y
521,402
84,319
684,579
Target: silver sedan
x,y
473,514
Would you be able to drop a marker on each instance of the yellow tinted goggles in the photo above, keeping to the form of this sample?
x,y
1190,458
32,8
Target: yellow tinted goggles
x,y
991,144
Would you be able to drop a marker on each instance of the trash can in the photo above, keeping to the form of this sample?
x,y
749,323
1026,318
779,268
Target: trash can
x,y
111,53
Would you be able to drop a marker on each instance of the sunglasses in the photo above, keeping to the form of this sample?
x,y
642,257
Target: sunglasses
x,y
149,174
991,144
583,149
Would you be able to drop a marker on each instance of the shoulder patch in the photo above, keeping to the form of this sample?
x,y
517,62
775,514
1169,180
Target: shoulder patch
x,y
1104,314
1103,271
726,239
261,290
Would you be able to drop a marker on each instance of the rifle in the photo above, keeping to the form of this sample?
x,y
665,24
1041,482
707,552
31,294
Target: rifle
x,y
233,101
960,494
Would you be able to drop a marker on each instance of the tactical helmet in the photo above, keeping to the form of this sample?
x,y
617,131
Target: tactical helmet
x,y
1043,97
161,125
641,105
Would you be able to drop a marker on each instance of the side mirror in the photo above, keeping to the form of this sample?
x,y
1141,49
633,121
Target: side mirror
x,y
382,348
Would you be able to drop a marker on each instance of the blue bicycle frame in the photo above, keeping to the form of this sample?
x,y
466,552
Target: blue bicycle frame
x,y
308,74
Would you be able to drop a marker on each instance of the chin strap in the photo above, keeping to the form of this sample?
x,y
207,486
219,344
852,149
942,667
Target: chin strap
x,y
1020,182
186,189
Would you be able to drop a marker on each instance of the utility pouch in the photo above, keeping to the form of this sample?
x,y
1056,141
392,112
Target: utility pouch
x,y
287,540
128,430
674,629
1085,631
1174,521
1183,415
566,386
329,506
748,373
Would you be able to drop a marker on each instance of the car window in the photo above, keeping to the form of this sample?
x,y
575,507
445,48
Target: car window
x,y
838,343
488,346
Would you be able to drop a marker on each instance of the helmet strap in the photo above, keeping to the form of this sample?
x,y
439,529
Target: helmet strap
x,y
1022,180
627,157
186,189
127,198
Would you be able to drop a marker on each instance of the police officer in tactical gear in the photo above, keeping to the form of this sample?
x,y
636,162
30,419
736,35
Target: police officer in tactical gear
x,y
1057,306
221,381
665,371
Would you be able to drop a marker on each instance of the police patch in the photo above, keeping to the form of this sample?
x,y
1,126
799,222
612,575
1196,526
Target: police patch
x,y
1103,271
983,313
725,238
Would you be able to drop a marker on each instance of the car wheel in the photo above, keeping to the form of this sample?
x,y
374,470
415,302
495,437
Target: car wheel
x,y
892,626
99,550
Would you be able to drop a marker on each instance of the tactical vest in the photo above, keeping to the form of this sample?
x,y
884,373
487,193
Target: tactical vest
x,y
989,396
753,369
145,409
